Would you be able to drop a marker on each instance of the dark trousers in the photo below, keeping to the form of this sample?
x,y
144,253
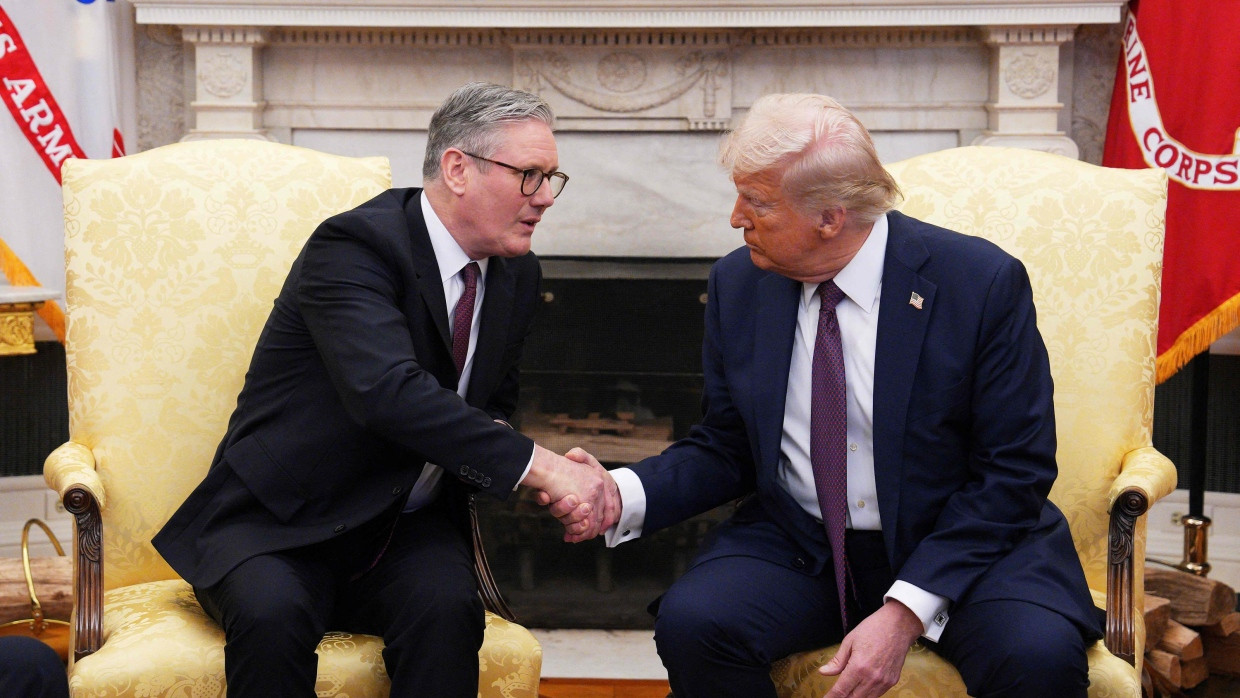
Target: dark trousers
x,y
31,669
420,597
721,626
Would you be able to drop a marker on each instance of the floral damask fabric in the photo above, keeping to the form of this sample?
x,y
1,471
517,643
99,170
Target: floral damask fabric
x,y
173,259
160,643
1091,239
926,675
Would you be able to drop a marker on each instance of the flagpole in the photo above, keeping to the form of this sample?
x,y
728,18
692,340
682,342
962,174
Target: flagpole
x,y
1197,523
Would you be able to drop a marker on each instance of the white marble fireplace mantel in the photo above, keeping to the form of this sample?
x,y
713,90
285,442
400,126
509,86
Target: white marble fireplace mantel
x,y
641,88
574,14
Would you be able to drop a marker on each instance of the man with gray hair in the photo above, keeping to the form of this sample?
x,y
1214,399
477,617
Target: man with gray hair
x,y
375,403
878,395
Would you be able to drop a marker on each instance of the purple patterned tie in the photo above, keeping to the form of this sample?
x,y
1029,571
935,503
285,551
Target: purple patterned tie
x,y
463,317
828,424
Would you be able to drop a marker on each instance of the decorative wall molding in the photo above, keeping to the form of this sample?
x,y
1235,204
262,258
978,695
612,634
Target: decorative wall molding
x,y
1024,89
385,38
229,95
851,37
600,82
1030,75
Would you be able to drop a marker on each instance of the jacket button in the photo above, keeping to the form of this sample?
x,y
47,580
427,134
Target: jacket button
x,y
397,490
339,529
465,470
799,563
486,482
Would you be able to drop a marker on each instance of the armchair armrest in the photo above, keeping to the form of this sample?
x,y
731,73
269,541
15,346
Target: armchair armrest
x,y
1145,477
1147,470
70,471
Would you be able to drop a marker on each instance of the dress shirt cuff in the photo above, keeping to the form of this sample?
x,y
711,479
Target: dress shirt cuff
x,y
633,508
527,472
930,608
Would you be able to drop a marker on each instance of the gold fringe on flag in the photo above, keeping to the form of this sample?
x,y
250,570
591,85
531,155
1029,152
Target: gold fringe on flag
x,y
18,275
1198,338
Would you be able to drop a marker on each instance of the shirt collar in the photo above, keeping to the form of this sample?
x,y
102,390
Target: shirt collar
x,y
448,253
862,277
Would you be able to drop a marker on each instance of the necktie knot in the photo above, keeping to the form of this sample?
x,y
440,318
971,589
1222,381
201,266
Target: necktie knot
x,y
830,294
470,273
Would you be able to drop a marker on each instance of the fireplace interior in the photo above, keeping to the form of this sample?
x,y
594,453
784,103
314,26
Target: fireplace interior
x,y
613,366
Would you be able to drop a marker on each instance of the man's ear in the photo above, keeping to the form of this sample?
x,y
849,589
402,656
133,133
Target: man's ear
x,y
452,170
831,221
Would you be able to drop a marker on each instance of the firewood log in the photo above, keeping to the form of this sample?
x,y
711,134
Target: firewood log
x,y
53,584
1228,625
1165,664
1193,672
1223,653
1182,641
1157,613
1194,600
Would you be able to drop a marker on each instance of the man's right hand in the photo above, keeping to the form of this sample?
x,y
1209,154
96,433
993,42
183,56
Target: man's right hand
x,y
582,493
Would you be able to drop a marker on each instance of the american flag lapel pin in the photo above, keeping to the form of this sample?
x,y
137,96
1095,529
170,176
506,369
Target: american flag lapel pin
x,y
915,300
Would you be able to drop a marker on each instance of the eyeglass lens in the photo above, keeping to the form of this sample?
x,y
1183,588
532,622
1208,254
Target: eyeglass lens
x,y
533,179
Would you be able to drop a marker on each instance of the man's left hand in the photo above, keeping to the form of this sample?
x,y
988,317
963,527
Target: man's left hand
x,y
869,660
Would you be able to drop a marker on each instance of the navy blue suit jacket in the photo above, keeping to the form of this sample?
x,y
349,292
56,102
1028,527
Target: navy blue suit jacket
x,y
964,427
351,389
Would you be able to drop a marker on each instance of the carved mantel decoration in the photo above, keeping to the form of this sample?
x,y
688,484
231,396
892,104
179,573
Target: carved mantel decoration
x,y
646,80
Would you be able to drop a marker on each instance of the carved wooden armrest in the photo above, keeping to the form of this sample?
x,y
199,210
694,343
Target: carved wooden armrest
x,y
1145,477
70,471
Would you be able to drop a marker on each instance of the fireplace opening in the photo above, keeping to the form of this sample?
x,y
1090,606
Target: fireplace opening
x,y
613,365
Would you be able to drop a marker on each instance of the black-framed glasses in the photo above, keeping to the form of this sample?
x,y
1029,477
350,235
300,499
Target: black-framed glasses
x,y
532,178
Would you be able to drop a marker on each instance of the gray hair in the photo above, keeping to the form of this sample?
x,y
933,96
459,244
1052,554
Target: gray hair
x,y
828,157
471,117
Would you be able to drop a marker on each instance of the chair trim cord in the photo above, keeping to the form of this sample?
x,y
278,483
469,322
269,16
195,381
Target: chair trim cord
x,y
1120,636
88,585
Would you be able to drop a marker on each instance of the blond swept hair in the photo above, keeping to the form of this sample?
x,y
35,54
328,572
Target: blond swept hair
x,y
827,156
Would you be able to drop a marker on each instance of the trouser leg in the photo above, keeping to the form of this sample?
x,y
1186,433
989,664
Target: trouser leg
x,y
31,669
422,598
725,621
1015,649
274,610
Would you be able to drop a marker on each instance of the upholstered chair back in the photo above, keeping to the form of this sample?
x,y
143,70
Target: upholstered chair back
x,y
173,259
1092,240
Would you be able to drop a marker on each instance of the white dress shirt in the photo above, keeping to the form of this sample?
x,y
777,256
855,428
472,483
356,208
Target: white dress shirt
x,y
861,282
451,260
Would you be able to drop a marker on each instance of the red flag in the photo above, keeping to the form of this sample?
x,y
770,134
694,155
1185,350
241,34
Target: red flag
x,y
1176,107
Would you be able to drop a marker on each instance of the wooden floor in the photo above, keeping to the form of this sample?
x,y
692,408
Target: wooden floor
x,y
602,688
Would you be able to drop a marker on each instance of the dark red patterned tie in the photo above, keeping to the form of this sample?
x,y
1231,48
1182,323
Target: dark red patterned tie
x,y
828,424
463,317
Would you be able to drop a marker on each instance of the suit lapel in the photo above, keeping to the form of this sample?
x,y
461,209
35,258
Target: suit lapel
x,y
430,285
774,331
493,324
901,332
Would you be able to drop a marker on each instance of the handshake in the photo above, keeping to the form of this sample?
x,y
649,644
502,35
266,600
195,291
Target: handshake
x,y
579,491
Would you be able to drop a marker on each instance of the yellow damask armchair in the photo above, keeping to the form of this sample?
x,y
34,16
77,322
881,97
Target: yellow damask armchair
x,y
173,259
1092,240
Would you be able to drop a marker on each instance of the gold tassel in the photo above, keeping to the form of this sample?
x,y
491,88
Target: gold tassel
x,y
1198,338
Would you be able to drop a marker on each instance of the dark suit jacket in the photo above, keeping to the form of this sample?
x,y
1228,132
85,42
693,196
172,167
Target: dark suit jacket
x,y
351,389
964,426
